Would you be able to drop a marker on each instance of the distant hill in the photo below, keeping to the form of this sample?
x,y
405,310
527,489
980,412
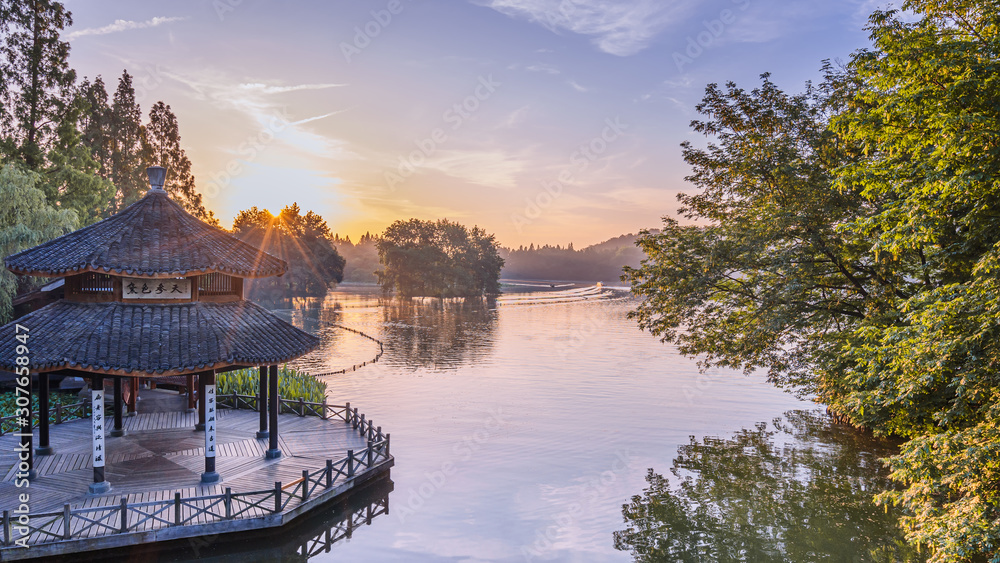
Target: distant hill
x,y
599,262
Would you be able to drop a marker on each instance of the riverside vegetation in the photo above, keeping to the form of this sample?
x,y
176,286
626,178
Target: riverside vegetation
x,y
847,241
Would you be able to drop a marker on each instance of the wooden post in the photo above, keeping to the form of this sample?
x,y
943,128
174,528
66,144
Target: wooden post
x,y
350,463
371,454
134,395
177,509
329,473
124,516
387,445
305,485
190,392
229,503
207,386
67,528
277,496
201,404
118,431
262,401
323,412
347,413
273,452
302,407
97,418
7,532
43,417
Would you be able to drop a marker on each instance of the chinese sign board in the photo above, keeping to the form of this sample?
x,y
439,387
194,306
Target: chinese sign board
x,y
133,288
210,421
97,422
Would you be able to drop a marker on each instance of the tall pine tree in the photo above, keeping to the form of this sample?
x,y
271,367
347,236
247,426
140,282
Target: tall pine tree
x,y
165,150
36,76
129,152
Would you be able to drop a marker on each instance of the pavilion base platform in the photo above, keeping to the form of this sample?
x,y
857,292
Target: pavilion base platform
x,y
155,471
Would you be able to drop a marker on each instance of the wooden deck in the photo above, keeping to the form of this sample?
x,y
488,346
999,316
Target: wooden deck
x,y
162,455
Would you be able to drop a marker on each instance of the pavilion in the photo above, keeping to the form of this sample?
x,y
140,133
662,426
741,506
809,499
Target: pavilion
x,y
150,292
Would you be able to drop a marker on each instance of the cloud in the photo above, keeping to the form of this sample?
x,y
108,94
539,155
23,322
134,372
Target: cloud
x,y
272,89
618,27
576,86
122,25
494,168
542,67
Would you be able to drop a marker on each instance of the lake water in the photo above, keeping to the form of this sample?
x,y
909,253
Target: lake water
x,y
521,428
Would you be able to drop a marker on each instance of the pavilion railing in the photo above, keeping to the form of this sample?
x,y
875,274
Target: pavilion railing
x,y
57,415
125,517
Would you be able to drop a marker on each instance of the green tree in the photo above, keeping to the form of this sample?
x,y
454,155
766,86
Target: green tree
x,y
96,123
129,154
26,220
165,150
852,249
927,116
438,258
36,76
303,241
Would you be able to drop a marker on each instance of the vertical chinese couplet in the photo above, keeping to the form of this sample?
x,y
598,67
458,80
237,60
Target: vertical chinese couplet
x,y
210,420
97,418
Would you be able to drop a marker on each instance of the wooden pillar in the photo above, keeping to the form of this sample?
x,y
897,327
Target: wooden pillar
x,y
201,404
25,453
273,452
190,392
118,431
100,484
43,416
133,396
262,401
208,386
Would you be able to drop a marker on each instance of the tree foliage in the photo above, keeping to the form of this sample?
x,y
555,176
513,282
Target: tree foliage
x,y
26,220
304,241
851,247
438,259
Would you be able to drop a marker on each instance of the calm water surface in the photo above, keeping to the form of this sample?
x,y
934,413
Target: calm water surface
x,y
521,428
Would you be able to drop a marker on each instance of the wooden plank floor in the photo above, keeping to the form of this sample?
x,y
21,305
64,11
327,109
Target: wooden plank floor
x,y
161,453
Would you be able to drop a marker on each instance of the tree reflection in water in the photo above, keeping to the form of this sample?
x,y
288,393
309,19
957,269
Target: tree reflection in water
x,y
800,490
438,333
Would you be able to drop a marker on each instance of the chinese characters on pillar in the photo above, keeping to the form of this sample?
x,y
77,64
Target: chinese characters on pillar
x,y
210,421
134,288
97,419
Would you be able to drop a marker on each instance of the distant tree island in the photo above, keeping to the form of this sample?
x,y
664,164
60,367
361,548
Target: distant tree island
x,y
438,259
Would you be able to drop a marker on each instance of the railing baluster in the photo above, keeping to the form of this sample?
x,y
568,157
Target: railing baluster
x,y
7,533
350,464
387,445
229,503
329,473
347,413
277,496
305,485
371,454
67,529
124,517
177,509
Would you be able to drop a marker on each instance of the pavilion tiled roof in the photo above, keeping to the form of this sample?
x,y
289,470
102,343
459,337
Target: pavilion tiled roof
x,y
151,340
153,237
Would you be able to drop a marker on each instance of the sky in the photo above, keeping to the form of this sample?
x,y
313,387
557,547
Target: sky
x,y
542,121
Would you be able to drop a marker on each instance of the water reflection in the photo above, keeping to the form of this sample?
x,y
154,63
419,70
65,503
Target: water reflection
x,y
799,490
295,543
437,333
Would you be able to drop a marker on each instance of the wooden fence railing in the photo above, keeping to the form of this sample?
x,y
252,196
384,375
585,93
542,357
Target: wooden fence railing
x,y
57,413
76,523
343,529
